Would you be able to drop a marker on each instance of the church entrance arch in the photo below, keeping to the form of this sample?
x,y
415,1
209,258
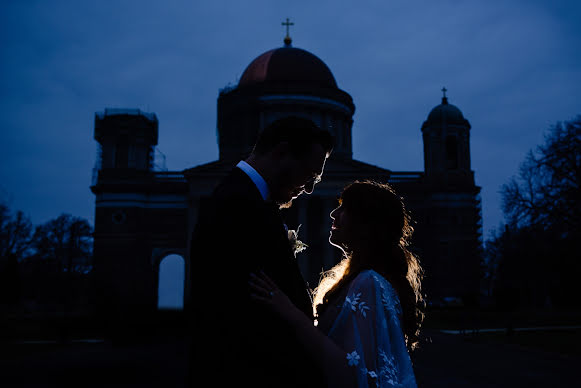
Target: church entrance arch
x,y
171,283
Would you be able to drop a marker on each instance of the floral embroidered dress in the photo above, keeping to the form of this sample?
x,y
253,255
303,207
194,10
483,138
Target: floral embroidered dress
x,y
367,326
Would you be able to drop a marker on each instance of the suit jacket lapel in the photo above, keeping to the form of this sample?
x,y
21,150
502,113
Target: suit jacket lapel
x,y
296,289
286,268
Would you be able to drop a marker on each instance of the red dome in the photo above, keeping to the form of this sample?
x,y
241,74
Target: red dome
x,y
288,65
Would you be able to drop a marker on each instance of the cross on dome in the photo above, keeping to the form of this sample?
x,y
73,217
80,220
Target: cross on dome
x,y
287,38
444,98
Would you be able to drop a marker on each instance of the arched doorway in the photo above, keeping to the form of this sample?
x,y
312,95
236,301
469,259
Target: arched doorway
x,y
170,291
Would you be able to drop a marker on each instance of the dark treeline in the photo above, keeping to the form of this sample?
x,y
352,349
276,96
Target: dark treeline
x,y
47,268
533,260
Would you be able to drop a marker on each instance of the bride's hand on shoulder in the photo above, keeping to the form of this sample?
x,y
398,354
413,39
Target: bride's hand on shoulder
x,y
264,290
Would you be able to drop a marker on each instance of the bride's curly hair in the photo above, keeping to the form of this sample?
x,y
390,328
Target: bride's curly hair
x,y
381,233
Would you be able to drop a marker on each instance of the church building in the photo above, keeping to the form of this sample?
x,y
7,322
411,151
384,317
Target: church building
x,y
144,215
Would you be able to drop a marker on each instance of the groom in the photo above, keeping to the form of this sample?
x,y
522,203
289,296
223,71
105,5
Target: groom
x,y
240,231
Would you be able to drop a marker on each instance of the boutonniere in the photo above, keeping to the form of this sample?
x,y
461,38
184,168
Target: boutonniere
x,y
296,244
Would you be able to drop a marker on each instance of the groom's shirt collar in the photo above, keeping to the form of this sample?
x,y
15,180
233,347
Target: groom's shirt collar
x,y
256,178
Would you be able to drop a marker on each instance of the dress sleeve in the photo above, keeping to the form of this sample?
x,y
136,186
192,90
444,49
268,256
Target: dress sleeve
x,y
368,329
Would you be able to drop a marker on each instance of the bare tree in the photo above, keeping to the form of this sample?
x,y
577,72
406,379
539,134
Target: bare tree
x,y
15,232
536,258
59,270
65,242
546,193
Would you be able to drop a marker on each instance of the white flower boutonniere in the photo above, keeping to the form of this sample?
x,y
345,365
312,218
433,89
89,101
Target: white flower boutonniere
x,y
296,244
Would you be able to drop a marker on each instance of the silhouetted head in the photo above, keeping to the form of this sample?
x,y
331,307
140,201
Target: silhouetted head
x,y
290,155
373,229
370,215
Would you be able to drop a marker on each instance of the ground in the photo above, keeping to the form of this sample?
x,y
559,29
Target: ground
x,y
540,358
454,361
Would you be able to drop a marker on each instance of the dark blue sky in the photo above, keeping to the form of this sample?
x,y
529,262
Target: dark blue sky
x,y
513,67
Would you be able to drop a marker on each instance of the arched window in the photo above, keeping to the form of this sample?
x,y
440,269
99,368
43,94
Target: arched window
x,y
451,153
170,291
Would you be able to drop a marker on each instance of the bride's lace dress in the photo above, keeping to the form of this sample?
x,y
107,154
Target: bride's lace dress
x,y
365,322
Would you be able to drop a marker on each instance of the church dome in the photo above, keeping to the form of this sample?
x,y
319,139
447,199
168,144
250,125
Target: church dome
x,y
446,113
288,65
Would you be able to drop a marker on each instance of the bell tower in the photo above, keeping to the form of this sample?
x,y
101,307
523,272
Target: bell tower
x,y
446,135
126,138
127,220
451,219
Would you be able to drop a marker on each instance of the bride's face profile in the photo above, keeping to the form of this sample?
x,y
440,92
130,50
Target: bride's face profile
x,y
339,235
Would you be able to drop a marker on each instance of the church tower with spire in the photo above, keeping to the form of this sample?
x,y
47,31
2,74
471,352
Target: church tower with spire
x,y
448,210
446,135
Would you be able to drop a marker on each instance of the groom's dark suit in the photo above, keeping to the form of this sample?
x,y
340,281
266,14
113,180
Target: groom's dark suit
x,y
237,341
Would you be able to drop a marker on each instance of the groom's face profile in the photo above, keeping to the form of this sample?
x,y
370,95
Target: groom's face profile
x,y
298,175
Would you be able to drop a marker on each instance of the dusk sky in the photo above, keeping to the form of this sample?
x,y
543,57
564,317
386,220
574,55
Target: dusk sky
x,y
513,67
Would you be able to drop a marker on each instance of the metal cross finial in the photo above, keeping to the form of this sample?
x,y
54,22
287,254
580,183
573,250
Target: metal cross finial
x,y
444,90
287,24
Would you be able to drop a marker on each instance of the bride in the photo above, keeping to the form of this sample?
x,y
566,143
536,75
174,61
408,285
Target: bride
x,y
368,307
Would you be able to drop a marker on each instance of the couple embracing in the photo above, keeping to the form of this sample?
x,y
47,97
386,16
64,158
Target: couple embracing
x,y
253,321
